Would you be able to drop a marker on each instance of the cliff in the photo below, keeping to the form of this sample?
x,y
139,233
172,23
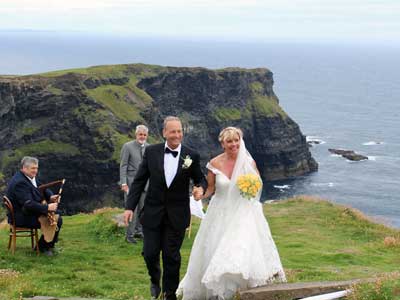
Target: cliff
x,y
76,121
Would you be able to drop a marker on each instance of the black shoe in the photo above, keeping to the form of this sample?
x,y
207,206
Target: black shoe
x,y
130,239
46,252
138,235
170,296
155,291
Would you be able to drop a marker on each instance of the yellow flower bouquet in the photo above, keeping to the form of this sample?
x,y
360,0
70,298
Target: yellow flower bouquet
x,y
249,185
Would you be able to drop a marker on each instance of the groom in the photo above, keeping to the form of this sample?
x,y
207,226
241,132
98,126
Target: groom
x,y
166,212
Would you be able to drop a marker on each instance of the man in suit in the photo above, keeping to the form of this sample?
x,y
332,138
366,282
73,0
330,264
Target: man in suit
x,y
165,216
26,199
131,157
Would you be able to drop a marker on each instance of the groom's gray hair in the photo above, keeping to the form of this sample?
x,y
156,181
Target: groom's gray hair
x,y
169,119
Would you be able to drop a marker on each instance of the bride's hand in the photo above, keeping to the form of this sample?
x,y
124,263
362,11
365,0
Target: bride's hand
x,y
197,193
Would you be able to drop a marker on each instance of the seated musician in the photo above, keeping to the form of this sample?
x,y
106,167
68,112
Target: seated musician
x,y
26,199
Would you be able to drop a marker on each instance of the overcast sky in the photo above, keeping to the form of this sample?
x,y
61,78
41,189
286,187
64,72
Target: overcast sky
x,y
362,20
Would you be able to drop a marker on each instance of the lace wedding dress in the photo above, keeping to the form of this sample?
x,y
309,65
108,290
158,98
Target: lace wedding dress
x,y
233,249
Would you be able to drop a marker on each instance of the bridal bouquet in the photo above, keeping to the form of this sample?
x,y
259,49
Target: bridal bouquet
x,y
249,185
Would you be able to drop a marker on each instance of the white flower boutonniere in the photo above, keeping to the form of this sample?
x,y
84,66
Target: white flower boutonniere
x,y
187,162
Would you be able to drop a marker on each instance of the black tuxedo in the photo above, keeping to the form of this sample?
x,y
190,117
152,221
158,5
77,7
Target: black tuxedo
x,y
26,200
166,212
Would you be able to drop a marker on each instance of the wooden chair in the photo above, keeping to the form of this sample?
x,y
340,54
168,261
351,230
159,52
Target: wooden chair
x,y
19,231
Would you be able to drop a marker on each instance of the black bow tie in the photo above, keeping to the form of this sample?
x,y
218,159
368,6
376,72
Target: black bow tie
x,y
174,153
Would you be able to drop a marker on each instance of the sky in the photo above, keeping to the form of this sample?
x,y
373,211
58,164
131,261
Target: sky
x,y
359,20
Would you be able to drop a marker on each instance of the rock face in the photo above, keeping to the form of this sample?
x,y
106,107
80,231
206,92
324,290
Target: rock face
x,y
76,122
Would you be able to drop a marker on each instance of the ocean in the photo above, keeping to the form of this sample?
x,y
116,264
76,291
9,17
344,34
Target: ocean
x,y
342,95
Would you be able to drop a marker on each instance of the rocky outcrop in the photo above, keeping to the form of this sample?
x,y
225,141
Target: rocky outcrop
x,y
76,122
348,154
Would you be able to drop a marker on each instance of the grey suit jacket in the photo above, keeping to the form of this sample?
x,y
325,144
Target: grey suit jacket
x,y
131,158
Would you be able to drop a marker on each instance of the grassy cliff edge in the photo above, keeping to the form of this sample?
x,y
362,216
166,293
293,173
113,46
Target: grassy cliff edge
x,y
317,241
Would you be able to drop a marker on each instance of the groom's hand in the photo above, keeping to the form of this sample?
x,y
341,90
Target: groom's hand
x,y
197,193
128,216
125,188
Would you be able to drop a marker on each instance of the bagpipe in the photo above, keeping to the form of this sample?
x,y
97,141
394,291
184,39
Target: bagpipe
x,y
48,223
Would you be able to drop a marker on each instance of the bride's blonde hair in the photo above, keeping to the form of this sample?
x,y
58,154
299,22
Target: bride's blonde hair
x,y
229,133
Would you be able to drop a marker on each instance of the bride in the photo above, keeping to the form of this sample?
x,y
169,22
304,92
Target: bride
x,y
233,249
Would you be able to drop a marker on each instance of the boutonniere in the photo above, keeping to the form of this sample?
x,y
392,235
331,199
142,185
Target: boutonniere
x,y
187,162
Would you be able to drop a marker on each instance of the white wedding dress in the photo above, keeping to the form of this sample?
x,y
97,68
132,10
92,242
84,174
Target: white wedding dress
x,y
233,249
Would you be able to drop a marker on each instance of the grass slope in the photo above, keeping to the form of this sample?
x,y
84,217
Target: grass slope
x,y
38,148
316,240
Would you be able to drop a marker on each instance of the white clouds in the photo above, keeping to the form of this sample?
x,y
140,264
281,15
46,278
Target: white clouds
x,y
299,5
101,4
229,18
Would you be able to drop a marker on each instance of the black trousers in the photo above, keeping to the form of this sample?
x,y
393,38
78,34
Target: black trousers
x,y
168,241
43,245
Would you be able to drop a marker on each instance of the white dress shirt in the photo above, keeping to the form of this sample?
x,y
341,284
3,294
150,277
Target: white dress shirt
x,y
32,180
171,164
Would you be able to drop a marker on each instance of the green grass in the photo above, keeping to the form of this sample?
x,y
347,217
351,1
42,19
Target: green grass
x,y
37,149
3,212
266,106
105,71
55,91
113,97
108,71
143,70
30,127
48,146
256,87
141,94
227,114
125,101
258,105
324,241
316,240
242,70
384,287
89,264
29,130
263,105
